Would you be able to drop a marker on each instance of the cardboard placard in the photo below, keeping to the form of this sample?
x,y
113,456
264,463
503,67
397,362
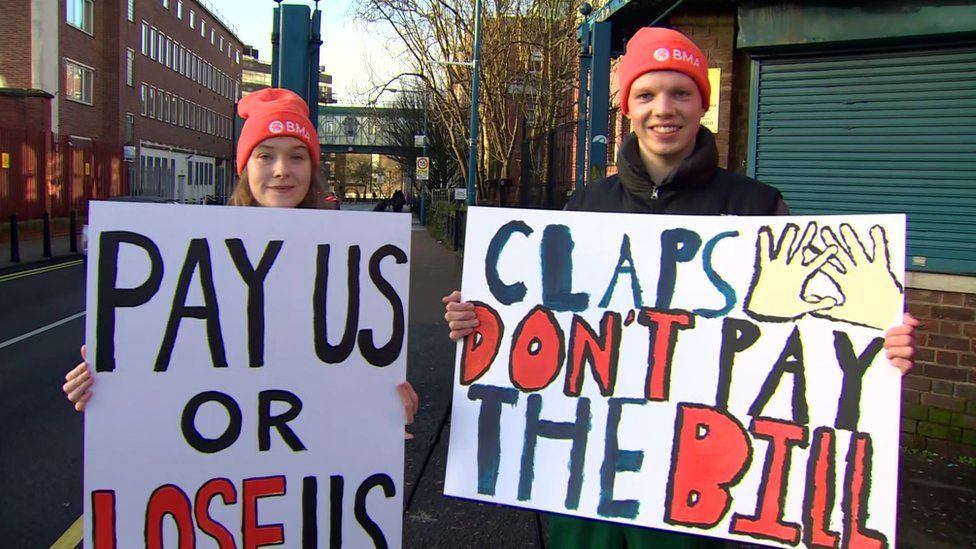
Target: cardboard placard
x,y
246,363
721,376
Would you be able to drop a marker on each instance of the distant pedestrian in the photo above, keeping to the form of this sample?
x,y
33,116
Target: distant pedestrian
x,y
398,200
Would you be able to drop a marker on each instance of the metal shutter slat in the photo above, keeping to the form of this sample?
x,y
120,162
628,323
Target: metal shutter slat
x,y
877,133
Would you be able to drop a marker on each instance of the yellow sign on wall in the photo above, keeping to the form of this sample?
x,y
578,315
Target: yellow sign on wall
x,y
87,168
710,120
5,160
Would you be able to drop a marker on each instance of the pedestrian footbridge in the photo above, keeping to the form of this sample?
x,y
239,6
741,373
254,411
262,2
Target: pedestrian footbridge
x,y
363,130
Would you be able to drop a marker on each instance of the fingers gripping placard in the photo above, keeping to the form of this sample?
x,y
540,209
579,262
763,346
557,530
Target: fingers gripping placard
x,y
720,376
247,363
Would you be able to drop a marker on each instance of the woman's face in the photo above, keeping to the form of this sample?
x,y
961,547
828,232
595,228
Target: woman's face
x,y
279,172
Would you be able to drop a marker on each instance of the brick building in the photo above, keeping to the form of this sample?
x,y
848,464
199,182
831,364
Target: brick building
x,y
138,94
859,109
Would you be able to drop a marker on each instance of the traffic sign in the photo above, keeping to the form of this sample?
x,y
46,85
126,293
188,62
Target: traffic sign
x,y
423,168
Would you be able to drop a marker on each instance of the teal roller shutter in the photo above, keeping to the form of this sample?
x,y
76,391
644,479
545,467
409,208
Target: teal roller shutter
x,y
877,133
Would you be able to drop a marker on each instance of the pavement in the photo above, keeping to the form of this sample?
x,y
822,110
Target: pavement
x,y
937,496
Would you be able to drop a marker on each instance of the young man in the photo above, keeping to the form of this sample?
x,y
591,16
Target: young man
x,y
668,165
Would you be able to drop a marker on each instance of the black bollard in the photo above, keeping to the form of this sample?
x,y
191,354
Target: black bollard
x,y
73,232
47,234
457,233
14,244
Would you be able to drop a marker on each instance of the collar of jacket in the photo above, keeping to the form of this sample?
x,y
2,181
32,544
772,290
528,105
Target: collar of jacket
x,y
697,169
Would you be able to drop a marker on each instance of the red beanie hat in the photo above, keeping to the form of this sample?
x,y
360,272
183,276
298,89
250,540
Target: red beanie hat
x,y
658,49
274,112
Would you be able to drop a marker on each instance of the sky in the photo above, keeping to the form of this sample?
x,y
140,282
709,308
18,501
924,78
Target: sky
x,y
349,48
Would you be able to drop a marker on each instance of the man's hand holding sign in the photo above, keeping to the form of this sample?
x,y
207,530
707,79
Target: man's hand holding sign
x,y
742,399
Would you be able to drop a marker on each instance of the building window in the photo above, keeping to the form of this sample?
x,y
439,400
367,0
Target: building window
x,y
221,44
167,51
152,102
130,59
212,35
192,20
160,47
131,10
203,29
152,43
536,61
130,123
237,56
179,9
78,82
145,38
173,112
159,104
79,15
143,90
165,4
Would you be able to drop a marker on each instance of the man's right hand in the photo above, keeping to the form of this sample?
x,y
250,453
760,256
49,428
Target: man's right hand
x,y
78,383
459,315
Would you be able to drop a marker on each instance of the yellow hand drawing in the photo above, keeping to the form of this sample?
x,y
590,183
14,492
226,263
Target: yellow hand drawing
x,y
781,275
870,291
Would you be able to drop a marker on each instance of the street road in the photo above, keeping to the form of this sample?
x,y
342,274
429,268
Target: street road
x,y
41,439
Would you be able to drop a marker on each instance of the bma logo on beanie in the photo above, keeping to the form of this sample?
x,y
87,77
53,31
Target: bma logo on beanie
x,y
276,126
686,57
661,54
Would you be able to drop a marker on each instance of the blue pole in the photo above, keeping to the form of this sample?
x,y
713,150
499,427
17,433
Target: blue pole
x,y
473,139
599,102
423,183
584,98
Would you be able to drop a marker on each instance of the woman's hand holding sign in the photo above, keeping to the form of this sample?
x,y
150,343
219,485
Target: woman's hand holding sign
x,y
78,383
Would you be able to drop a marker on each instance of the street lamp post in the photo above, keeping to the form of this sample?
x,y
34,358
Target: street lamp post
x,y
423,184
473,139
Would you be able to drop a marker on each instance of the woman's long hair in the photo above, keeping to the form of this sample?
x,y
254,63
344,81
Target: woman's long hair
x,y
314,198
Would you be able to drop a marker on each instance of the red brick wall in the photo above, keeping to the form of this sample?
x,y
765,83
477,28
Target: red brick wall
x,y
155,74
939,395
25,113
715,34
77,118
15,48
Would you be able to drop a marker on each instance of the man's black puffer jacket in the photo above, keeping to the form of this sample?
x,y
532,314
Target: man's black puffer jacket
x,y
697,187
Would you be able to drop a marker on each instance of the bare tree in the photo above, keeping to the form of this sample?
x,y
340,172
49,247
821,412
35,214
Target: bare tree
x,y
528,68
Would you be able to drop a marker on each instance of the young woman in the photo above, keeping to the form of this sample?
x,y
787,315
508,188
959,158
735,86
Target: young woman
x,y
278,159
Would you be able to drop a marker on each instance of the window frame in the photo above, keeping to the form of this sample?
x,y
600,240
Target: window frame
x,y
88,86
130,67
87,15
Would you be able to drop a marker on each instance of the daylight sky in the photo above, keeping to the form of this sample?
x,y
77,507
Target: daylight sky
x,y
349,52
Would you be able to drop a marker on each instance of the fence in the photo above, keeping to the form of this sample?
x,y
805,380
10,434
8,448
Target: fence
x,y
548,168
41,172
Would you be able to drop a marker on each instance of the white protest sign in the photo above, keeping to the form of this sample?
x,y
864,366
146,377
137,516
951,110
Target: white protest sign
x,y
709,375
246,363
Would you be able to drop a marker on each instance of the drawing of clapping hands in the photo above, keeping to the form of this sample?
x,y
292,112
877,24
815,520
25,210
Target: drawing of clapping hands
x,y
868,293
